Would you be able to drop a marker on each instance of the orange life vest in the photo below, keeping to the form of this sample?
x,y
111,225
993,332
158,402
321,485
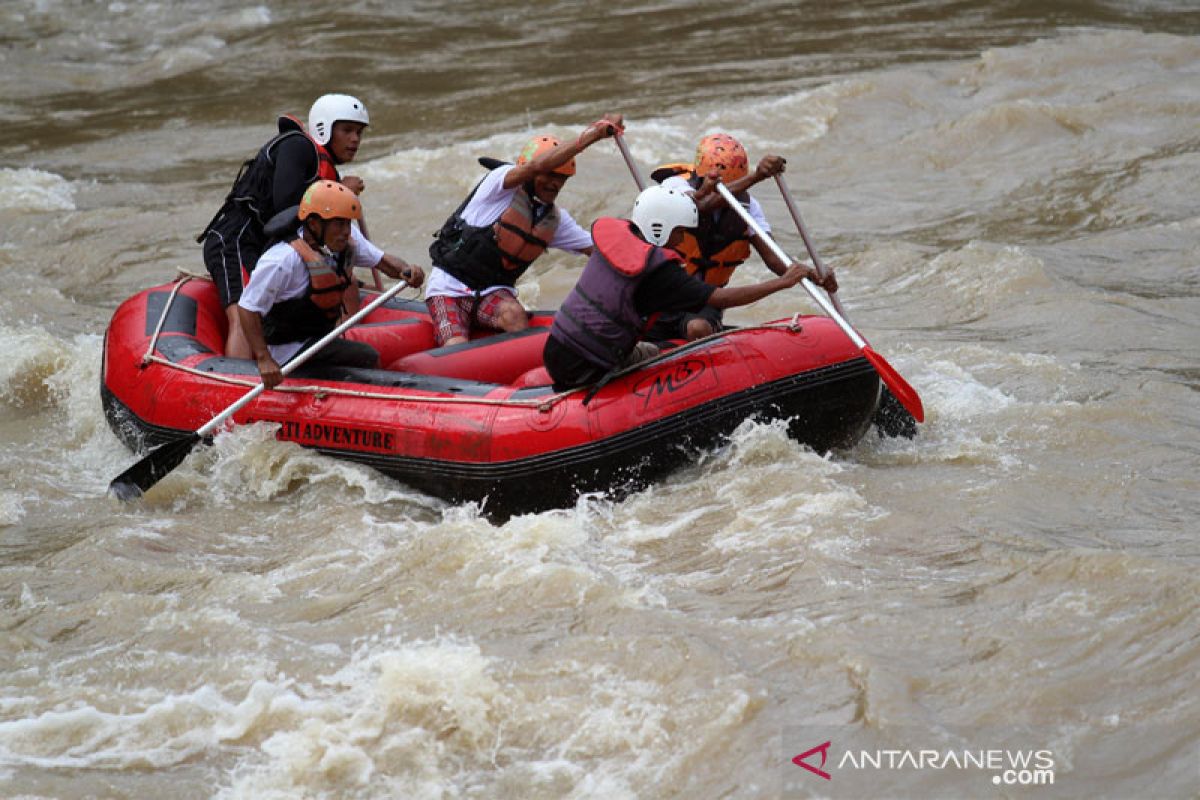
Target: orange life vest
x,y
316,312
520,239
327,279
718,245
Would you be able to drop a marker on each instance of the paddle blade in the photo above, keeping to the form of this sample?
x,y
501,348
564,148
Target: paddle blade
x,y
133,482
906,394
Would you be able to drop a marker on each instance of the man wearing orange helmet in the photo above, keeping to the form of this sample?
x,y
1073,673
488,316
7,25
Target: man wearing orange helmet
x,y
722,241
507,221
297,292
274,179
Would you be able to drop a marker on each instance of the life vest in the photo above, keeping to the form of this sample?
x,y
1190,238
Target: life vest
x,y
598,320
253,188
497,254
718,245
316,312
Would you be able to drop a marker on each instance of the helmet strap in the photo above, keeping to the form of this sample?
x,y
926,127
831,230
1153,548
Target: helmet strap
x,y
318,235
539,206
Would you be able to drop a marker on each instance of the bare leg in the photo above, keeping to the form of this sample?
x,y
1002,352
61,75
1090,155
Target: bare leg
x,y
698,328
512,316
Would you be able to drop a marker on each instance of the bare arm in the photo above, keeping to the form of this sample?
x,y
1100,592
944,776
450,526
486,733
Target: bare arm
x,y
773,262
707,198
398,268
777,266
549,161
251,321
731,296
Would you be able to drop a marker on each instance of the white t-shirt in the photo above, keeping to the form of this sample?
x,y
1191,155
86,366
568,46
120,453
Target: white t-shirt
x,y
489,202
680,184
281,275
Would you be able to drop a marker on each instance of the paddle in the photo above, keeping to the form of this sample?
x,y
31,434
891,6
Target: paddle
x,y
133,482
892,418
633,170
906,394
362,227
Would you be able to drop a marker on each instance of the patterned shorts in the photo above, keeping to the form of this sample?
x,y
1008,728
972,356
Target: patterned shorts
x,y
452,316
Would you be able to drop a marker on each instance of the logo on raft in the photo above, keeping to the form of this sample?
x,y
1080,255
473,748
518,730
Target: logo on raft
x,y
670,380
320,435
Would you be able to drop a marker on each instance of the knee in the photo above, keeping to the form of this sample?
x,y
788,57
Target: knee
x,y
513,317
698,329
349,353
368,357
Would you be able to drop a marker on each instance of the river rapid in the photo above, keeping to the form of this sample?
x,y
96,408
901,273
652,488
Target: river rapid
x,y
1008,192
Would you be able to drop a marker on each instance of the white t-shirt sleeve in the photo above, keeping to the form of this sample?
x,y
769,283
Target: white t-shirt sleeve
x,y
366,254
570,235
490,200
757,213
274,279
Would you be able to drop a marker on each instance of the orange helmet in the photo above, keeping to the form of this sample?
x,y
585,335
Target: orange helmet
x,y
330,200
541,144
722,152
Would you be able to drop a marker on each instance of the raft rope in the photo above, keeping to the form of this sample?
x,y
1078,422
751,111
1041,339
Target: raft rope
x,y
542,404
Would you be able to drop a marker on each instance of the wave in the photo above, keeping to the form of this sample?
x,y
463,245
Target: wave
x,y
29,189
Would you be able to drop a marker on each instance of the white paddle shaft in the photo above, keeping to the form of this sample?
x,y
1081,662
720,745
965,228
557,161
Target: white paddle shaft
x,y
299,360
812,290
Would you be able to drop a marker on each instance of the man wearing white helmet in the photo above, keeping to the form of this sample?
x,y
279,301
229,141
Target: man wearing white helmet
x,y
273,180
631,277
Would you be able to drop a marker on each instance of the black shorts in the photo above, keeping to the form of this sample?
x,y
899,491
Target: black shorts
x,y
232,245
567,368
673,325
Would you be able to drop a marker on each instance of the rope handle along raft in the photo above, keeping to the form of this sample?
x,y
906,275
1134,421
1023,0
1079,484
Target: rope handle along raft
x,y
543,404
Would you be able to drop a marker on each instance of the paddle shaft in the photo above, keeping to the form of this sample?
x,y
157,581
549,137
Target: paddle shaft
x,y
892,418
299,360
136,480
629,162
362,227
905,393
817,297
808,245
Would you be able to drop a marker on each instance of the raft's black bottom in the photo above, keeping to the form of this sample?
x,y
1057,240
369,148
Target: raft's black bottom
x,y
892,418
825,409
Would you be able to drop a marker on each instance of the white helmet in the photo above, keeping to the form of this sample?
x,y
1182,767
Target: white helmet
x,y
658,211
330,108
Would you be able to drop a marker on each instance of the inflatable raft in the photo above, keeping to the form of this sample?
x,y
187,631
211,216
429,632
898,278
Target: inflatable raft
x,y
479,421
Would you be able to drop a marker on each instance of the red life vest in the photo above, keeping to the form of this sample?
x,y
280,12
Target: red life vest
x,y
326,169
254,187
598,320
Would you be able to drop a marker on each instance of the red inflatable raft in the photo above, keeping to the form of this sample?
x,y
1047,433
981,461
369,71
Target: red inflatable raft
x,y
479,421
